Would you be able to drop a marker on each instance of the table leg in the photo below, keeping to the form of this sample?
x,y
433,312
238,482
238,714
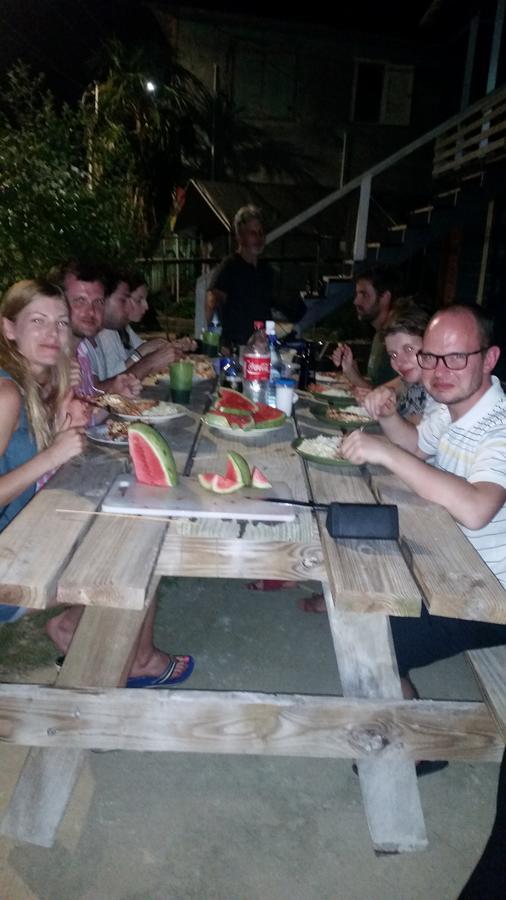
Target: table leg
x,y
99,656
368,668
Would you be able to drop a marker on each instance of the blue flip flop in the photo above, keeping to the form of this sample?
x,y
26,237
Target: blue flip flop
x,y
165,679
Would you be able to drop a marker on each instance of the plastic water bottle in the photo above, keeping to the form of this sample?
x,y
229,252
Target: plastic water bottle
x,y
276,365
256,365
231,372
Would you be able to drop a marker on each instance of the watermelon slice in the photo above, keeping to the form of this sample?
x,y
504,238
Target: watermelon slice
x,y
267,416
238,469
233,401
151,456
243,421
259,480
219,484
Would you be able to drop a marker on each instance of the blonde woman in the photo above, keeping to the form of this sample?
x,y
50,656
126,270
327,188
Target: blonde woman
x,y
36,433
40,429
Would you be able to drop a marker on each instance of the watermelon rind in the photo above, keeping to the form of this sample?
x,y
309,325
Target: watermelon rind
x,y
232,401
258,479
205,479
238,469
151,456
268,416
241,421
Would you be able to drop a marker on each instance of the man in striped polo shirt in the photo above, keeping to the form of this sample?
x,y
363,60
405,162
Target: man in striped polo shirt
x,y
464,437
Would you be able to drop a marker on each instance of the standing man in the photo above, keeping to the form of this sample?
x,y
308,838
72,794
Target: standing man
x,y
241,287
375,291
464,435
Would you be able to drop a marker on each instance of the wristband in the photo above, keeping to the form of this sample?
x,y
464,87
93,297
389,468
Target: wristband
x,y
135,356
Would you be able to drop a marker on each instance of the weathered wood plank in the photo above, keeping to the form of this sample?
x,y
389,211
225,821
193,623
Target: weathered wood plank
x,y
239,558
100,654
368,669
114,563
247,723
489,666
365,576
38,543
453,577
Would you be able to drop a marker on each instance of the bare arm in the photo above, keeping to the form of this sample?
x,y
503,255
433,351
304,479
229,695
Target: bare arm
x,y
381,404
343,356
68,443
473,505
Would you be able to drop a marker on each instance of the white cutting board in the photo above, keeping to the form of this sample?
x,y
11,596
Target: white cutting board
x,y
189,500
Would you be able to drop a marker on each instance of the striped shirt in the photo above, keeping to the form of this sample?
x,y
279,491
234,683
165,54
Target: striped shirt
x,y
474,447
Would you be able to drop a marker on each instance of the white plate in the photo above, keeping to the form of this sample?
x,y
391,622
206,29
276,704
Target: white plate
x,y
240,433
154,419
99,434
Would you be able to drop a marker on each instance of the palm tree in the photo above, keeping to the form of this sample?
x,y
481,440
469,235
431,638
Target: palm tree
x,y
141,118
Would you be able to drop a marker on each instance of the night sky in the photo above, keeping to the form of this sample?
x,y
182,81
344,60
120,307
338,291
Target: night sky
x,y
59,37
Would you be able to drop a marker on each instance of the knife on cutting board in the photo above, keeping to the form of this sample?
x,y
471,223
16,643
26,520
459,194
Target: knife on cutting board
x,y
371,521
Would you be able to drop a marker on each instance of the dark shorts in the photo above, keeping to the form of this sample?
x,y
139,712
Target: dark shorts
x,y
421,641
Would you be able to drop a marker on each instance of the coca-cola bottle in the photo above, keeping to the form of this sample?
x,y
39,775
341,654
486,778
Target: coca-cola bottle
x,y
257,365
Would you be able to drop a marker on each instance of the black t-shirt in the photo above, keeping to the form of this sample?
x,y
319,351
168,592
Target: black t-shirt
x,y
249,296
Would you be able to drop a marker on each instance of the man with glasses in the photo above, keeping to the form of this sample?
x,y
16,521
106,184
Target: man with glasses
x,y
464,437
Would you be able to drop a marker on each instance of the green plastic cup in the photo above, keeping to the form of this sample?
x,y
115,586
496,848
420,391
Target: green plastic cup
x,y
181,375
211,343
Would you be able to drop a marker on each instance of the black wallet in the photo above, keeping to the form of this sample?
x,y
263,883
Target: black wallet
x,y
363,520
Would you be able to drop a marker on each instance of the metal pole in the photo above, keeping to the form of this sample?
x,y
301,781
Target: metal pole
x,y
214,124
496,46
359,247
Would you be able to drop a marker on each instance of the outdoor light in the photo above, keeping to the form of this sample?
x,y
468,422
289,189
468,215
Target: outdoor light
x,y
150,87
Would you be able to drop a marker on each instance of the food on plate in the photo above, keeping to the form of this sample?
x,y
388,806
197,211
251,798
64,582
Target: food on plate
x,y
230,401
327,391
267,416
326,447
121,405
155,378
259,480
202,366
116,430
235,411
151,456
334,377
241,422
237,475
350,415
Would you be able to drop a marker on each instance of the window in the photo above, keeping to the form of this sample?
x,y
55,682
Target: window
x,y
382,93
264,82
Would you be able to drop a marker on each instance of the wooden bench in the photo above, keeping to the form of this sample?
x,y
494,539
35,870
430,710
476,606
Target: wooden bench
x,y
489,667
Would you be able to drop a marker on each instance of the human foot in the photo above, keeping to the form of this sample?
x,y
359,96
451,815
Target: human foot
x,y
313,604
60,629
178,669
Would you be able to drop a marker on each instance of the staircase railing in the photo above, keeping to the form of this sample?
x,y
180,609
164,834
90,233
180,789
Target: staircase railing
x,y
480,133
486,110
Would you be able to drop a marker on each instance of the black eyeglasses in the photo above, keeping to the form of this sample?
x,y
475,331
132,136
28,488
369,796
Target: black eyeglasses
x,y
454,361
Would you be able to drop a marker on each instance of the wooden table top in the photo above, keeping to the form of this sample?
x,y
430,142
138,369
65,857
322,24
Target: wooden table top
x,y
45,554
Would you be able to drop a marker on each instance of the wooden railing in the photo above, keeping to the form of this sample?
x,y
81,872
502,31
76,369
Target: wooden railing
x,y
490,140
479,135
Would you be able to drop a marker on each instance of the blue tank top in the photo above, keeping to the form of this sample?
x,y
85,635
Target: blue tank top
x,y
20,449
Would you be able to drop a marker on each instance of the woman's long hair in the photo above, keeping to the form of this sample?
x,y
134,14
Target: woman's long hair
x,y
42,401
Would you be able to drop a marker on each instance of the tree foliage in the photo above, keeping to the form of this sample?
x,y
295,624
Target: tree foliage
x,y
47,210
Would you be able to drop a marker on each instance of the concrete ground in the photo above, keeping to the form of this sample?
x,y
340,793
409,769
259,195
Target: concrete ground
x,y
154,826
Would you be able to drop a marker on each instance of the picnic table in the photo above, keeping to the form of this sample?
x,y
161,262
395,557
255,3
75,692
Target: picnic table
x,y
112,565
